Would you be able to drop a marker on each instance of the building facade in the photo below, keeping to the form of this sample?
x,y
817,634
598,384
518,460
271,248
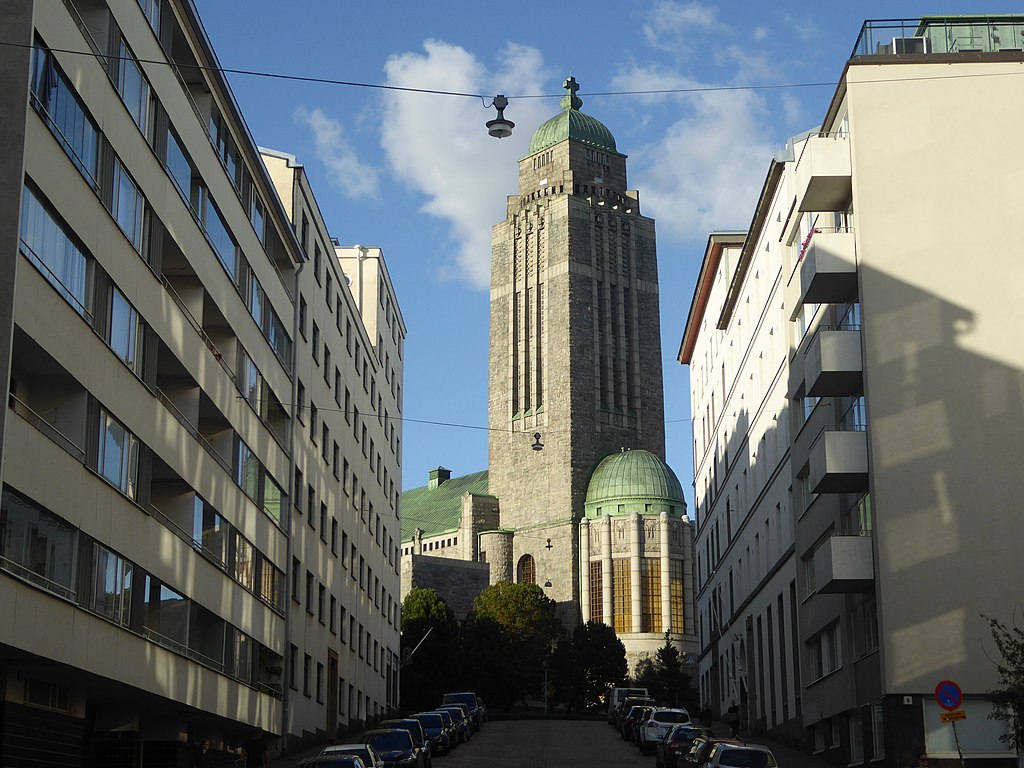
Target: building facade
x,y
902,411
575,387
166,575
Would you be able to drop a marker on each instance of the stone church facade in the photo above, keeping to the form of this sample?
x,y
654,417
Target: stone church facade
x,y
595,516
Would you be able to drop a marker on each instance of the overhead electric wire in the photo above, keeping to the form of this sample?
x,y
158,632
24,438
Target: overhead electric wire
x,y
483,97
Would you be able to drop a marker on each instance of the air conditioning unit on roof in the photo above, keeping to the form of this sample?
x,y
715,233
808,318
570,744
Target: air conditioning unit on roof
x,y
906,45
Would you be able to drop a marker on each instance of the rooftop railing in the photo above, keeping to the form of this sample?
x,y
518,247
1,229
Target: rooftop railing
x,y
940,34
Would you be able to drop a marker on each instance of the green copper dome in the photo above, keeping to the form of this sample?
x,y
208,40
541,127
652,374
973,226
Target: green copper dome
x,y
572,124
634,481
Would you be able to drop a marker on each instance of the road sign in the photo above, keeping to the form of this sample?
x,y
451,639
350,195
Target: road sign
x,y
952,717
949,695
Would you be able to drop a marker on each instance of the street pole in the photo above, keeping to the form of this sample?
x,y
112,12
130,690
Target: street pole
x,y
957,740
545,689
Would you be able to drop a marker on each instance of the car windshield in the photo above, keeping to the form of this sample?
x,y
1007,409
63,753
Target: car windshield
x,y
469,699
745,758
391,740
684,734
671,717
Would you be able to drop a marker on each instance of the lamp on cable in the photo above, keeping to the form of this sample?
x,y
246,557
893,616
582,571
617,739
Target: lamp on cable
x,y
500,127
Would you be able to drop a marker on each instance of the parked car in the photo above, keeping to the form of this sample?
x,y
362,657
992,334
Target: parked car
x,y
699,750
365,752
627,704
656,724
451,726
469,699
677,742
333,761
415,729
461,714
396,748
740,756
616,697
437,733
633,718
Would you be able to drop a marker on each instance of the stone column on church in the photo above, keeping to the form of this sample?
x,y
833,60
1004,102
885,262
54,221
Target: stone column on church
x,y
585,568
606,570
666,586
634,570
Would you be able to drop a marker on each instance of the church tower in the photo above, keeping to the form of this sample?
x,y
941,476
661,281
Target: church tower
x,y
575,349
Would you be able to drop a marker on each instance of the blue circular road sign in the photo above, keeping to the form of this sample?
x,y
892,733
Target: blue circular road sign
x,y
949,695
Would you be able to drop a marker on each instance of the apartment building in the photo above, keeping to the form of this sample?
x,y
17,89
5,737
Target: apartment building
x,y
344,640
895,306
161,580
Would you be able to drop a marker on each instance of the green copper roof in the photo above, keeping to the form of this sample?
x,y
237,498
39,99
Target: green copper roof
x,y
437,510
572,124
631,475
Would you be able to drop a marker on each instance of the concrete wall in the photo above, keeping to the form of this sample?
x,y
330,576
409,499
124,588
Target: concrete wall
x,y
456,581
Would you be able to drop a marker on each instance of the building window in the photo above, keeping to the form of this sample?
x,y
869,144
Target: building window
x,y
37,545
293,666
650,594
856,737
247,470
118,459
111,594
244,563
134,88
310,583
321,600
334,615
59,106
54,254
334,536
319,682
307,671
316,343
258,216
151,10
166,614
675,590
825,652
877,732
127,205
124,330
622,605
526,571
596,591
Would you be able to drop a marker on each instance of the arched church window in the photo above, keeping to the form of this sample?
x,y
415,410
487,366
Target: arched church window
x,y
526,571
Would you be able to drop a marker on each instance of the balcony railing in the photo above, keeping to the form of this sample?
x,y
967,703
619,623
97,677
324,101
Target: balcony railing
x,y
954,34
37,579
217,355
49,430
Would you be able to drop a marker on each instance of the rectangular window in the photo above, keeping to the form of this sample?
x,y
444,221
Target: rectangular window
x,y
271,583
296,567
151,10
127,205
166,614
650,594
258,216
244,563
247,470
329,290
220,238
58,104
310,584
118,459
316,343
307,671
225,147
323,522
209,530
59,259
179,167
111,586
134,88
675,570
319,682
293,665
334,615
622,603
37,545
124,330
320,603
334,536
856,737
877,732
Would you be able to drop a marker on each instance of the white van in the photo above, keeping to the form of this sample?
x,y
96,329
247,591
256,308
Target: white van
x,y
616,696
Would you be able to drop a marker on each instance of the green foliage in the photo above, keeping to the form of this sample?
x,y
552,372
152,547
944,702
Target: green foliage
x,y
665,677
584,667
1008,698
425,606
522,609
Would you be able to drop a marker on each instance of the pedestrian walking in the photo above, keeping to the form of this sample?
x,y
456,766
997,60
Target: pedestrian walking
x,y
255,752
734,719
203,756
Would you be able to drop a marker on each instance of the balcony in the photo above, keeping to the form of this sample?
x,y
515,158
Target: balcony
x,y
832,363
828,267
823,175
839,462
845,563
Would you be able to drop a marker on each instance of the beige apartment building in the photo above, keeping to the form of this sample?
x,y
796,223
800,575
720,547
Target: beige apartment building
x,y
185,550
856,387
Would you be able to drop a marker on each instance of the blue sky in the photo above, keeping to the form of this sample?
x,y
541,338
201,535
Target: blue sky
x,y
418,176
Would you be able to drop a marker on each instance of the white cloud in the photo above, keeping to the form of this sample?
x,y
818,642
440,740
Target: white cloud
x,y
438,146
705,172
761,33
346,172
671,25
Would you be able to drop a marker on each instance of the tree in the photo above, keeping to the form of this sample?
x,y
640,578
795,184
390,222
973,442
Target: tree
x,y
429,629
1008,699
584,667
522,609
673,681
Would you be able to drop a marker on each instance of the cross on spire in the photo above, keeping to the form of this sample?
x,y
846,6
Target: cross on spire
x,y
571,100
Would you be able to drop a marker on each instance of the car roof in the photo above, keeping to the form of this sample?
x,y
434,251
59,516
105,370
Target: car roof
x,y
342,747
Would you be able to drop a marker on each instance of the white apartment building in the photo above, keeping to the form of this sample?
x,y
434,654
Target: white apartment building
x,y
165,573
879,275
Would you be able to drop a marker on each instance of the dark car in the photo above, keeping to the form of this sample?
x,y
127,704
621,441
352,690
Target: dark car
x,y
632,720
396,748
677,742
451,726
333,761
415,729
468,698
365,752
437,733
699,751
461,715
626,705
